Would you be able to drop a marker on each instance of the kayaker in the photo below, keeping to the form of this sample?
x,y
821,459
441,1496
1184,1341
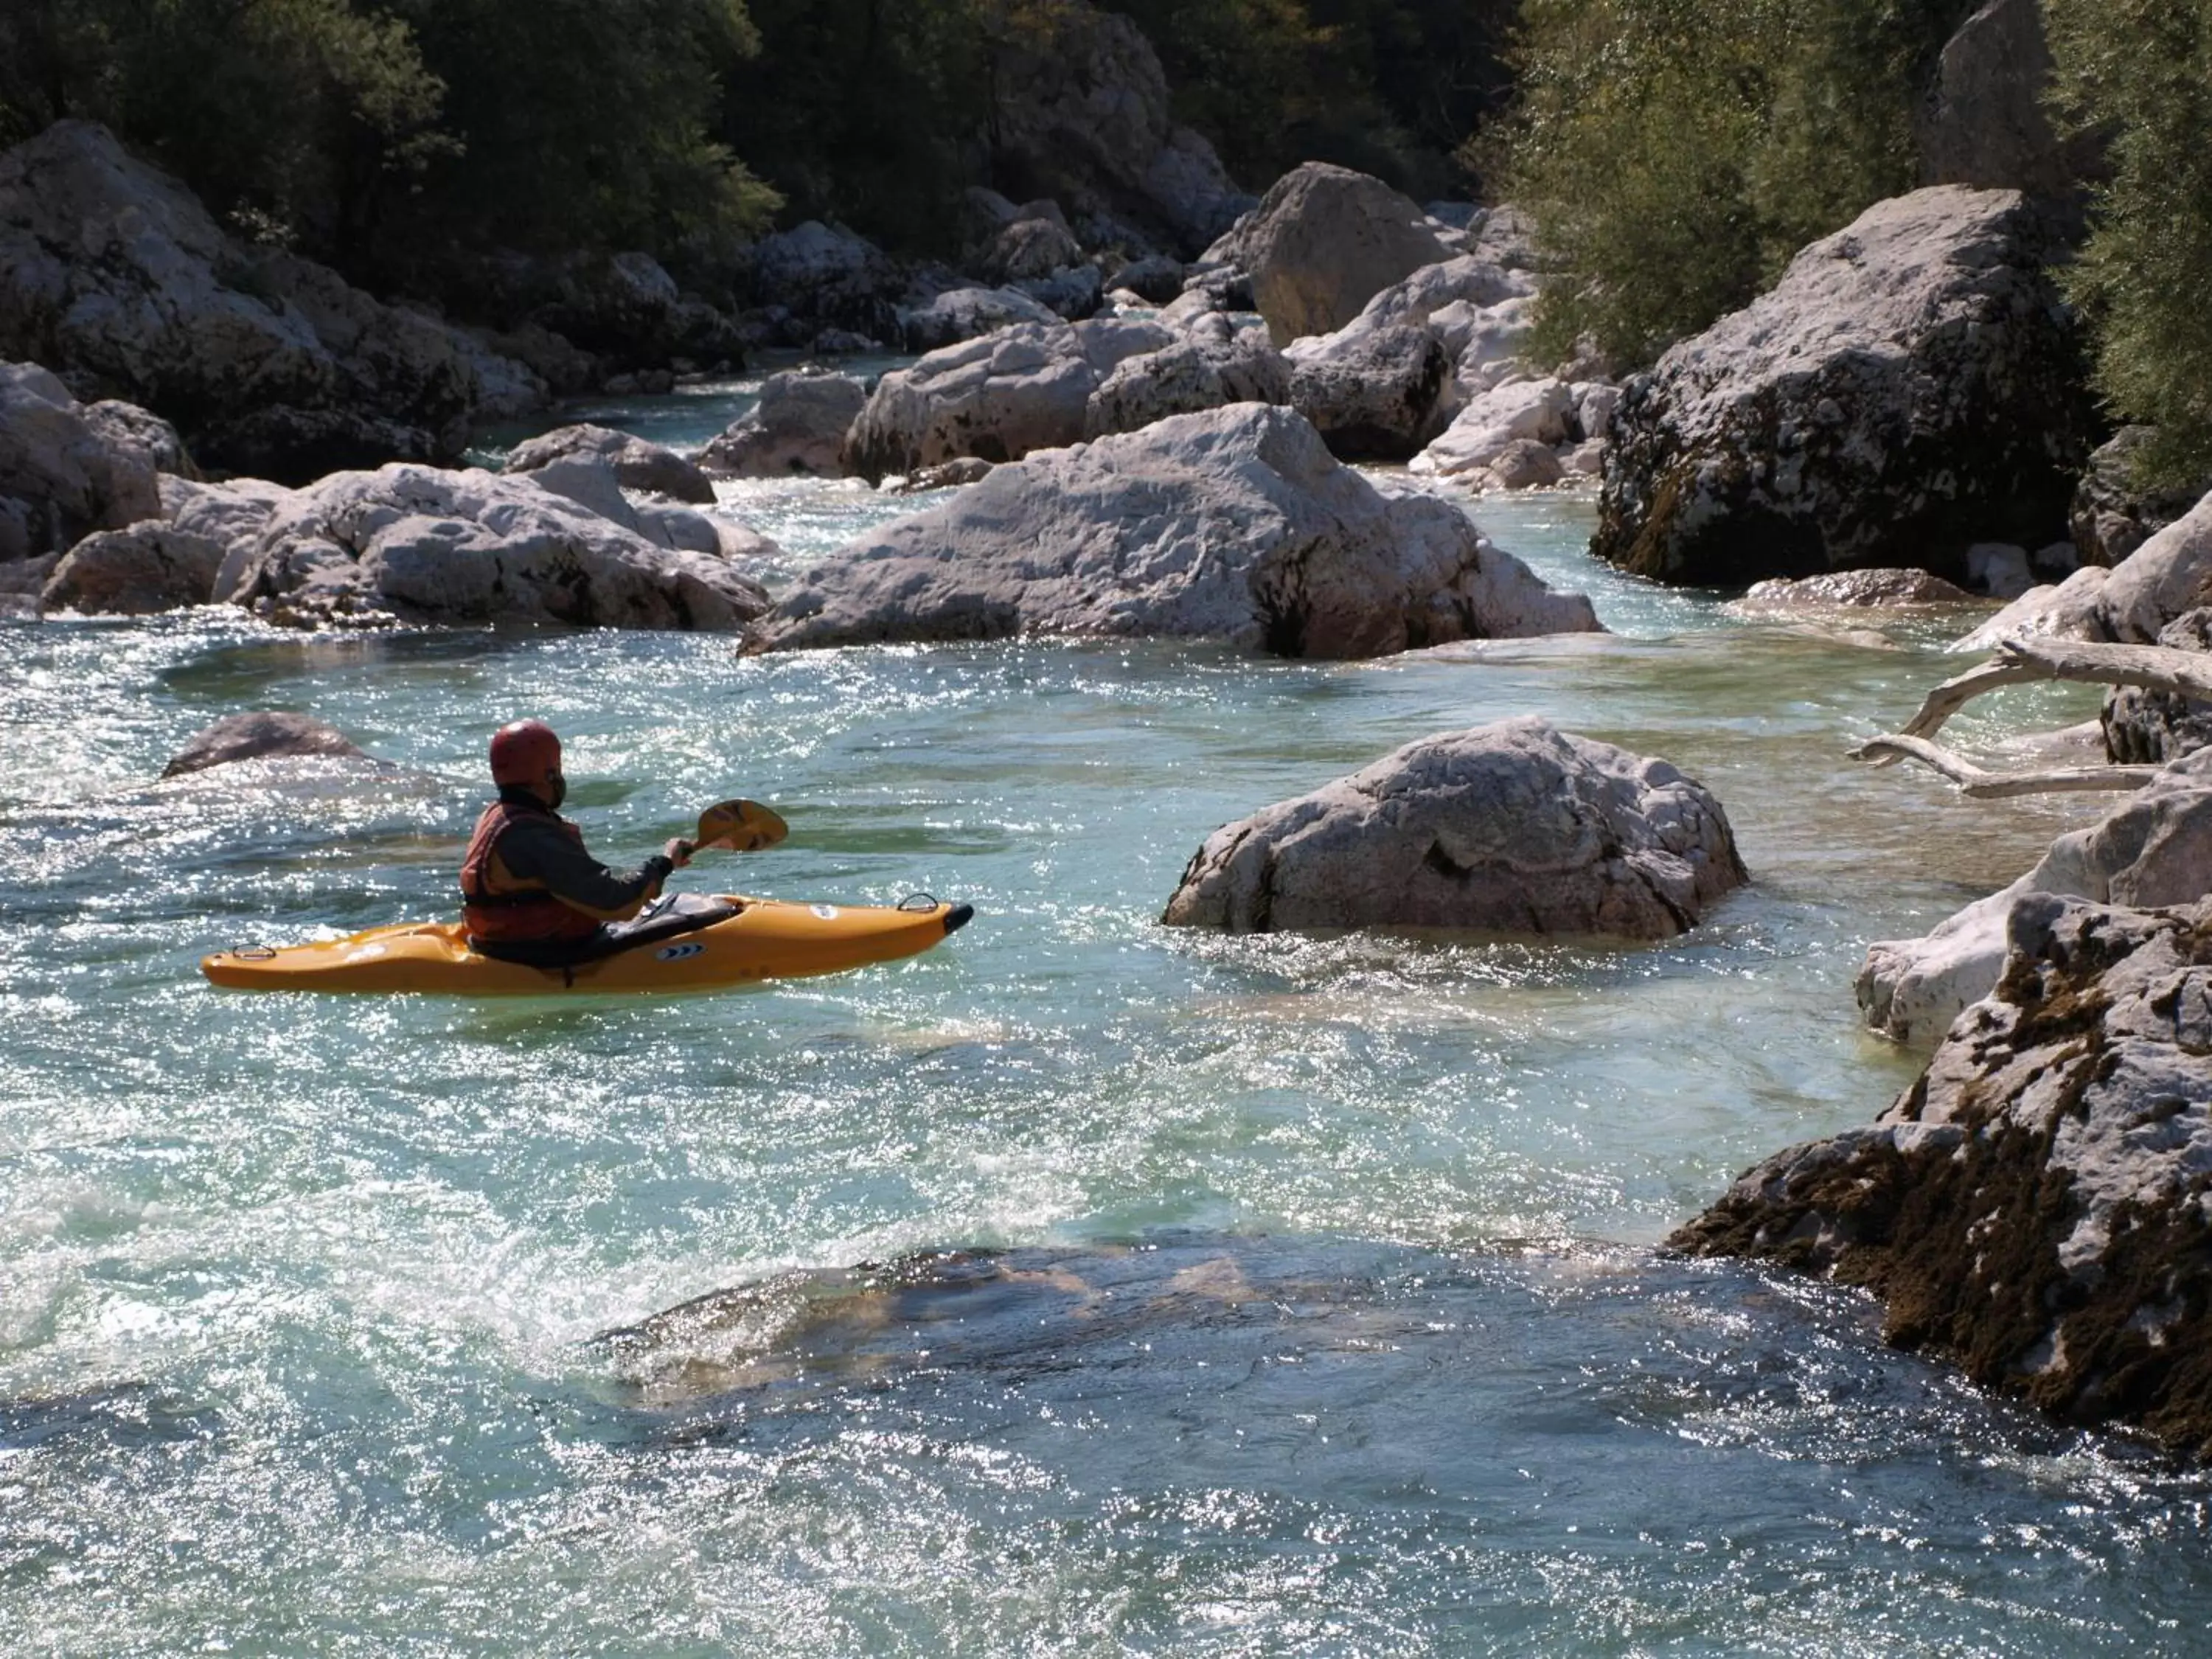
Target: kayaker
x,y
527,883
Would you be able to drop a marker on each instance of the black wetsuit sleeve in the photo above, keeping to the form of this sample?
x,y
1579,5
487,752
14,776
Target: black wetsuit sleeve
x,y
541,850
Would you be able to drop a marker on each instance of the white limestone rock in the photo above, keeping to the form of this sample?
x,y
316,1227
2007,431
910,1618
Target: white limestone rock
x,y
1234,524
417,544
637,463
1514,828
799,426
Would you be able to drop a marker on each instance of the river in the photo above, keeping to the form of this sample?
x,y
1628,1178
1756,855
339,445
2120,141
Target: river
x,y
1330,1320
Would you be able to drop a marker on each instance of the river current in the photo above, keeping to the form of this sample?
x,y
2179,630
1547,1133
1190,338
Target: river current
x,y
1228,1297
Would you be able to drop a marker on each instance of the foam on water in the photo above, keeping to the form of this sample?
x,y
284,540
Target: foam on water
x,y
300,1298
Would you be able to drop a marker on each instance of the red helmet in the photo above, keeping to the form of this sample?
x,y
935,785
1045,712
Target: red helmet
x,y
525,751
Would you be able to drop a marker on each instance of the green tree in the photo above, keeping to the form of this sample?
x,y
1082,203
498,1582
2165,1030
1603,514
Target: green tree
x,y
1677,152
2141,71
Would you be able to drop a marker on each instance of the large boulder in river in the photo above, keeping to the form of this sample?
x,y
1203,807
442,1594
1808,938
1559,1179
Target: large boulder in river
x,y
417,544
148,568
2154,849
1914,385
1516,826
1236,524
2034,1207
588,480
231,515
62,474
113,275
998,397
637,464
798,427
261,735
1324,241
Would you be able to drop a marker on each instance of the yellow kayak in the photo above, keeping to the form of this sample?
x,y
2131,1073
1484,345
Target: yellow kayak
x,y
691,943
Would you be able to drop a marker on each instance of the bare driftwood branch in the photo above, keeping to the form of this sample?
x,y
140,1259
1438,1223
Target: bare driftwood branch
x,y
2021,661
1978,784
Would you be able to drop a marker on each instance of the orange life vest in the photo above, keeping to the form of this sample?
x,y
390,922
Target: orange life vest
x,y
501,908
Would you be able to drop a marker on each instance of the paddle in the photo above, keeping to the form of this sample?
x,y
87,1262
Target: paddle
x,y
738,826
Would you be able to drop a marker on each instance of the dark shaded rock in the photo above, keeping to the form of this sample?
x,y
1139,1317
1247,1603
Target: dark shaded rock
x,y
1029,248
258,736
1375,395
2152,728
821,276
114,275
1913,385
1516,826
1984,122
946,475
2035,1206
2114,511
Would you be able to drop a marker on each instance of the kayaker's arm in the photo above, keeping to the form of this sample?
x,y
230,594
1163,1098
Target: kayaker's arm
x,y
541,850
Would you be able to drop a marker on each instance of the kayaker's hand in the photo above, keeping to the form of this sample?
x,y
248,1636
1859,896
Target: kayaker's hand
x,y
678,852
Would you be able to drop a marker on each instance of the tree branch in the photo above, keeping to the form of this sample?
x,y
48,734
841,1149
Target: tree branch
x,y
1977,784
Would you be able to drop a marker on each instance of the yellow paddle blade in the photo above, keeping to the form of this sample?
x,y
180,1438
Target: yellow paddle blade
x,y
738,826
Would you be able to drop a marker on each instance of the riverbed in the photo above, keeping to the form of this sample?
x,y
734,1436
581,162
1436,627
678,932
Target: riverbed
x,y
1309,1303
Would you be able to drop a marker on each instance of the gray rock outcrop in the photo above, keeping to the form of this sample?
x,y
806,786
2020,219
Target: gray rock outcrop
x,y
2143,727
997,397
816,276
2131,603
637,464
1516,826
148,568
416,544
2033,1207
590,482
2114,512
1985,122
113,275
1913,385
1325,240
798,427
1235,524
2154,849
1081,113
1376,395
231,515
260,735
968,313
63,473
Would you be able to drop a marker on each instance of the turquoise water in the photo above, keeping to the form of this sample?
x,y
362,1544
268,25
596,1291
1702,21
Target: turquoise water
x,y
305,1302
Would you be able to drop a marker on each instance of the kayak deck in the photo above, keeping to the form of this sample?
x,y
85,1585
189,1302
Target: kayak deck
x,y
766,938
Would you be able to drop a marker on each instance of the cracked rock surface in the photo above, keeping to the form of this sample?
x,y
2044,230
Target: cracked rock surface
x,y
2038,1206
1516,826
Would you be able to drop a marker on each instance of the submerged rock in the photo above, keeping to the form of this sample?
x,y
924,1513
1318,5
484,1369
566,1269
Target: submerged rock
x,y
1913,384
260,736
1235,524
1516,826
1850,590
2034,1207
637,464
416,544
2154,848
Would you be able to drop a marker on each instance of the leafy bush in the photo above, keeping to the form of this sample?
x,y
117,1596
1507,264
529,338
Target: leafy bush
x,y
1677,152
2140,70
